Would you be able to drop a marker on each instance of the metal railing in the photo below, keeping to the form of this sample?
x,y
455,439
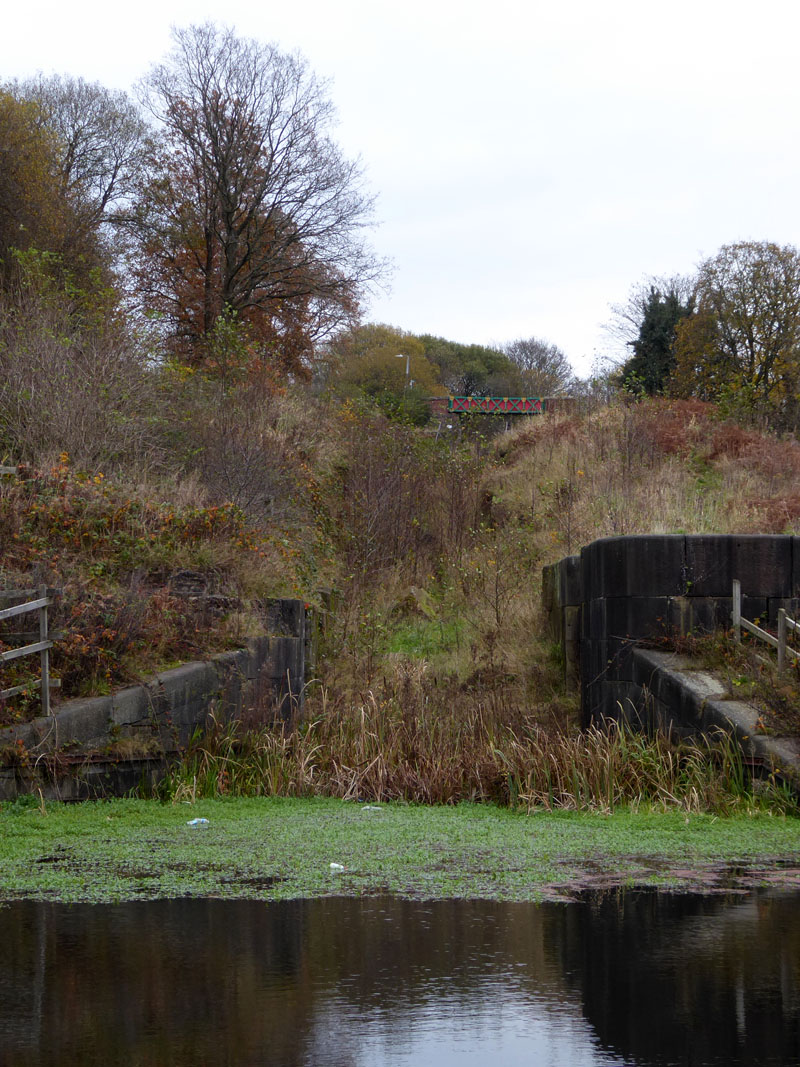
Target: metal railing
x,y
785,624
42,646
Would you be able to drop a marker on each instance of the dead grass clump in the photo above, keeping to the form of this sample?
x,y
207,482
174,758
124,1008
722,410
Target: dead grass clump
x,y
249,447
381,751
656,466
675,427
734,441
397,498
774,515
549,430
66,388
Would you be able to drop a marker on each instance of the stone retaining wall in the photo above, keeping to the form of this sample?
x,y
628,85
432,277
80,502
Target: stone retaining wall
x,y
670,691
621,591
88,738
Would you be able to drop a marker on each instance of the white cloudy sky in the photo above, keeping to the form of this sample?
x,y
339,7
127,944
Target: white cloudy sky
x,y
531,160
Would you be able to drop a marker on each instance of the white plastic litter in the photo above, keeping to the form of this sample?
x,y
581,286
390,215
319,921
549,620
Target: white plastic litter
x,y
197,822
372,807
337,867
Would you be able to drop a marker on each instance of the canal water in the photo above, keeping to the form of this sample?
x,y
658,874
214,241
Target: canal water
x,y
623,978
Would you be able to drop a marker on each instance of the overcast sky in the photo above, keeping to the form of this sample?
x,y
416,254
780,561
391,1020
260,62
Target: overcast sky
x,y
532,160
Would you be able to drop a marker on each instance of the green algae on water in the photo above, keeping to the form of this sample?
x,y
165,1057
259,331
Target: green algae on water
x,y
275,848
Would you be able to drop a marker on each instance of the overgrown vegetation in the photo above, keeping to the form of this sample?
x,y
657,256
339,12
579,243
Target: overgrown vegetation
x,y
143,582
436,683
729,334
402,749
202,421
657,466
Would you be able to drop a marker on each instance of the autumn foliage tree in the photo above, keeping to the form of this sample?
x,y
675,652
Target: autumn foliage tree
x,y
249,209
68,151
99,139
471,369
544,369
387,365
34,212
741,346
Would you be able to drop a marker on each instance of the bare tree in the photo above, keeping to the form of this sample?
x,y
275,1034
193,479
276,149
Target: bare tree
x,y
100,140
544,368
624,327
250,207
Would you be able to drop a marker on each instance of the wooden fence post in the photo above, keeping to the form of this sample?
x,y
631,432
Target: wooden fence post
x,y
42,646
780,643
782,628
45,654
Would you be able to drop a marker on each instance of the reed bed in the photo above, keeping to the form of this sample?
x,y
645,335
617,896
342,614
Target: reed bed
x,y
374,751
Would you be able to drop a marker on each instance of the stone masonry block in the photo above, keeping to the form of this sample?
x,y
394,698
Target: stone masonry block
x,y
703,615
257,653
618,652
593,660
571,644
549,587
8,784
286,618
633,617
791,605
762,563
609,700
605,660
82,721
668,688
186,693
131,708
592,706
652,565
550,606
570,581
285,658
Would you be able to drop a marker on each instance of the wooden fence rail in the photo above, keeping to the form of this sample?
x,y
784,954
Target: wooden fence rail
x,y
785,624
42,646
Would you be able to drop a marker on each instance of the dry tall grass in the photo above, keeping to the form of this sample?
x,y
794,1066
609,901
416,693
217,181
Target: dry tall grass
x,y
654,467
379,751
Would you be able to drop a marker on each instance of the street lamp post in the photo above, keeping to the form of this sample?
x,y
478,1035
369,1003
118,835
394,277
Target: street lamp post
x,y
407,358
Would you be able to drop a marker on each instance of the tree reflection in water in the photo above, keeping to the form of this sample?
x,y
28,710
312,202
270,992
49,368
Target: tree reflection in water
x,y
622,978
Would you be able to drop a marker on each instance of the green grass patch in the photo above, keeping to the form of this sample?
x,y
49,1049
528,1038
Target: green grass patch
x,y
274,848
425,638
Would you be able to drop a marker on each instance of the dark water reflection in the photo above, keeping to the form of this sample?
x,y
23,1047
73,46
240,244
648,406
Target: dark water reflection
x,y
636,978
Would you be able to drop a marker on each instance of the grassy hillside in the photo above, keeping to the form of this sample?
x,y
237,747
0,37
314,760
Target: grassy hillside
x,y
432,546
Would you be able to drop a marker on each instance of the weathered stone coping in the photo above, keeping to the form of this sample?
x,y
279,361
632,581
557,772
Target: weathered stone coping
x,y
94,745
673,691
169,706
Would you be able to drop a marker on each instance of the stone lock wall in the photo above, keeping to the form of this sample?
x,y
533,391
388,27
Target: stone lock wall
x,y
262,681
622,591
